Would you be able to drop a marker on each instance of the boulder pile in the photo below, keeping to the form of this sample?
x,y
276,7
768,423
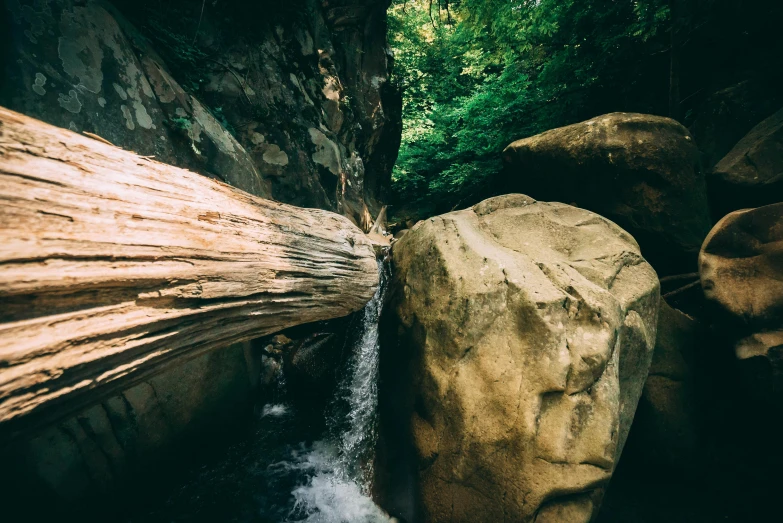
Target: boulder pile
x,y
529,341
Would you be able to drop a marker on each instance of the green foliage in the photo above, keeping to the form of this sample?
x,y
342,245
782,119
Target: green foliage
x,y
183,124
507,69
173,28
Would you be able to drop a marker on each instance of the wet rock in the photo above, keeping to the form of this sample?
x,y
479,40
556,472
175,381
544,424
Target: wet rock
x,y
269,372
751,174
523,333
313,359
310,357
640,171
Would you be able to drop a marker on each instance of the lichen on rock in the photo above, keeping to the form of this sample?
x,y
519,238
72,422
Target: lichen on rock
x,y
132,73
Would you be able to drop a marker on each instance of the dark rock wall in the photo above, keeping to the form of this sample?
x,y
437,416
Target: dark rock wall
x,y
726,115
285,100
290,101
90,465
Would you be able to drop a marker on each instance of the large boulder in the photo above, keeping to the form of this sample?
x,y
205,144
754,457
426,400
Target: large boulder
x,y
741,269
524,332
751,174
640,171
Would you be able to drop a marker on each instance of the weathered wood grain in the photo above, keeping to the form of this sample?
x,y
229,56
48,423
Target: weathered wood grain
x,y
113,266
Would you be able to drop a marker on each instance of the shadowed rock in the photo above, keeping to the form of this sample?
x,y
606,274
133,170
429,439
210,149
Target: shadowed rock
x,y
725,116
751,174
741,269
290,102
665,426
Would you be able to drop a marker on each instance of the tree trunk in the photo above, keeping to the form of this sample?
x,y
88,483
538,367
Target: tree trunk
x,y
113,266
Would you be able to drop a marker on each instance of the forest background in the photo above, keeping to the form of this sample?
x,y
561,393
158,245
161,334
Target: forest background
x,y
476,75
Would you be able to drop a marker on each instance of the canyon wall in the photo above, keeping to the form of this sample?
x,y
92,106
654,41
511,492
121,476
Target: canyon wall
x,y
288,102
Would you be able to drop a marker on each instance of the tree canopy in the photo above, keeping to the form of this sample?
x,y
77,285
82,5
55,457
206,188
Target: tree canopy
x,y
478,74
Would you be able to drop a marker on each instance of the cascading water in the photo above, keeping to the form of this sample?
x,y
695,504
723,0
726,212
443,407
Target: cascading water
x,y
293,469
338,490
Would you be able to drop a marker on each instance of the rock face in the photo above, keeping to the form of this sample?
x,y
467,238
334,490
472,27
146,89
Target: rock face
x,y
725,116
668,455
741,269
751,174
639,170
121,442
82,66
113,267
665,428
525,335
286,102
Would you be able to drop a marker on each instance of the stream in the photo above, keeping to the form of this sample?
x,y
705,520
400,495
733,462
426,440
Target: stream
x,y
297,466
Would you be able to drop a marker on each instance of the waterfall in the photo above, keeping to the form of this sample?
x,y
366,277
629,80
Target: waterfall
x,y
291,466
339,468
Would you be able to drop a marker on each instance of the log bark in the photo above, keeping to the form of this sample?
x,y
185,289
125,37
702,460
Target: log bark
x,y
113,266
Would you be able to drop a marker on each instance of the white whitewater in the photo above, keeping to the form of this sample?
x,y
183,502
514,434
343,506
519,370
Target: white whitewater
x,y
339,468
275,473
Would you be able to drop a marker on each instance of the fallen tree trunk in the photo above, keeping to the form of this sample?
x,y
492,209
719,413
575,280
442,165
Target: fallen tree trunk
x,y
113,266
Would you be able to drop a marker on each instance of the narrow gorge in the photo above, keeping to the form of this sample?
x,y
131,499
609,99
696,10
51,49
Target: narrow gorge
x,y
391,261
